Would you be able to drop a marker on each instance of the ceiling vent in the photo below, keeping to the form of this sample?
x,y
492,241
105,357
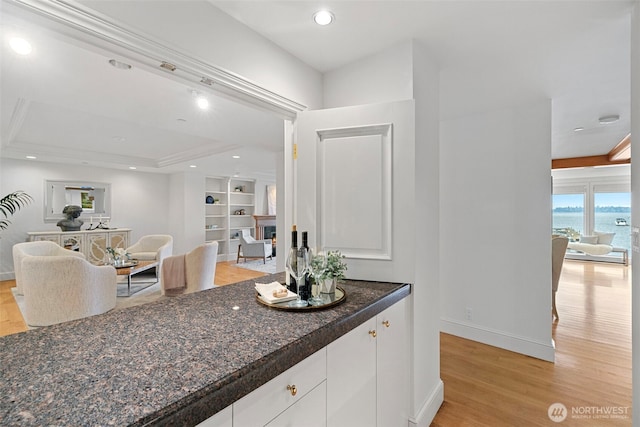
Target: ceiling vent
x,y
168,66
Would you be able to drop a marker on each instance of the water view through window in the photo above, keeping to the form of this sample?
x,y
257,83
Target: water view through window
x,y
611,214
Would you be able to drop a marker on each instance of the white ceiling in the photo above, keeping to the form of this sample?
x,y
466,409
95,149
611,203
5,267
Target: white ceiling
x,y
65,103
491,53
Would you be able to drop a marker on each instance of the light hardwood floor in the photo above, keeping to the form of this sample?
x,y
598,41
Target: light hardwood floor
x,y
487,386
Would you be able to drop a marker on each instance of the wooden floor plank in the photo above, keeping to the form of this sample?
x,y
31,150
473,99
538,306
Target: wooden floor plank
x,y
487,386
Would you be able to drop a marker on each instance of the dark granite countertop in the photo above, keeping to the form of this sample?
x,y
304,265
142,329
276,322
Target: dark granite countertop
x,y
176,361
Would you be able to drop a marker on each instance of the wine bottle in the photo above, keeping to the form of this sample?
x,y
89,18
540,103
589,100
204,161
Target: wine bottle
x,y
305,289
294,248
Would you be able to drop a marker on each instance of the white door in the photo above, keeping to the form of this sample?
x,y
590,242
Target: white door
x,y
354,186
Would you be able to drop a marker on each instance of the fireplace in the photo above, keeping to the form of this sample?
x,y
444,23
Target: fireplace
x,y
265,223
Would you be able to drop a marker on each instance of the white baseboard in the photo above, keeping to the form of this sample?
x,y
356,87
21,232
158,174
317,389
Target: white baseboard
x,y
429,409
7,276
500,339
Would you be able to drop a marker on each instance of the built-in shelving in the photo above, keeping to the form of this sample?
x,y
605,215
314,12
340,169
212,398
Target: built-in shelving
x,y
229,208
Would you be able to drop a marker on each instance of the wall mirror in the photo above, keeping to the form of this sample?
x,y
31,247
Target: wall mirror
x,y
93,197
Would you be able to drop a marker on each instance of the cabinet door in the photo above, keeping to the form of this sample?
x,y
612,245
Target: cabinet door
x,y
119,239
223,418
72,242
351,378
392,369
310,411
96,251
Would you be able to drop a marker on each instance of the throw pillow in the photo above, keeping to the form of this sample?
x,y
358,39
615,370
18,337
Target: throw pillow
x,y
593,240
604,238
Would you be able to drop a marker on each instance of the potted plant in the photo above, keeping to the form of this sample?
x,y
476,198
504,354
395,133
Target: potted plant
x,y
335,270
10,204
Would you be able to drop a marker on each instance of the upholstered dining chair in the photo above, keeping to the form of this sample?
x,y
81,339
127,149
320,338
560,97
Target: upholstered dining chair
x,y
558,250
62,288
191,272
38,248
252,248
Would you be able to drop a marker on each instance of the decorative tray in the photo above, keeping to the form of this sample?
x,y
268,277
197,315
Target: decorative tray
x,y
331,300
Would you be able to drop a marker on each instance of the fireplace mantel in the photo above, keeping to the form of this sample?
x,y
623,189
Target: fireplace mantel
x,y
263,221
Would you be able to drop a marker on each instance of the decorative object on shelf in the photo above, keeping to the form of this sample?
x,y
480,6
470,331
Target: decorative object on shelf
x,y
118,257
71,222
11,203
239,212
334,271
240,189
209,200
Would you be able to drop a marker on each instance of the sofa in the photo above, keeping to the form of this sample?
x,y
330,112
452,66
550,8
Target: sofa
x,y
596,244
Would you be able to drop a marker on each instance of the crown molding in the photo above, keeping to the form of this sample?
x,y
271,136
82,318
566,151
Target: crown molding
x,y
98,30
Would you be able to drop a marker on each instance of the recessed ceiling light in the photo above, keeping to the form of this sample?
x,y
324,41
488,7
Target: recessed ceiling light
x,y
323,17
20,46
236,157
120,65
202,102
578,129
31,157
193,166
605,120
133,168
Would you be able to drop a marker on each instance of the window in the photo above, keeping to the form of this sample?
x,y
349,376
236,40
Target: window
x,y
584,206
612,214
569,215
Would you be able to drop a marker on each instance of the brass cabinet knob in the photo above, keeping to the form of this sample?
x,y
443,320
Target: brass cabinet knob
x,y
386,323
292,389
373,333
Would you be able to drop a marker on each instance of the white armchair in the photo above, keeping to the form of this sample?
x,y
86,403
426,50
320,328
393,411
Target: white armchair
x,y
39,248
252,248
154,247
62,288
191,272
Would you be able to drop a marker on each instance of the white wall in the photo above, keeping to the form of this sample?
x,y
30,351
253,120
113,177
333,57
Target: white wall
x,y
384,76
635,200
495,222
186,211
427,387
402,72
139,200
202,30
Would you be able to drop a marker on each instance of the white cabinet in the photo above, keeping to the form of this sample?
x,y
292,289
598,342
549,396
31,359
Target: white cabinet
x,y
351,378
92,243
367,377
360,379
223,418
271,400
392,377
229,207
